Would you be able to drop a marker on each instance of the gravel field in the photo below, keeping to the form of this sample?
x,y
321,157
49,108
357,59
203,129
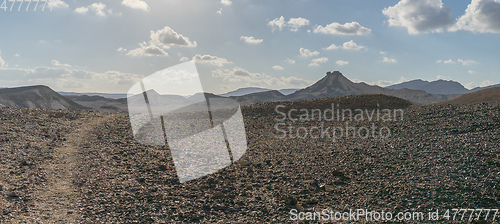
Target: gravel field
x,y
88,169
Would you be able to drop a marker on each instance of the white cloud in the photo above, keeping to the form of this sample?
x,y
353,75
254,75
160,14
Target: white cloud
x,y
389,60
383,52
219,11
307,53
320,60
167,37
121,49
3,64
480,16
466,62
82,10
57,4
277,23
290,61
59,64
332,47
251,40
226,2
341,63
347,29
472,72
277,67
136,4
315,62
296,23
243,76
160,40
419,16
293,23
460,61
209,59
98,8
17,55
147,51
184,59
350,45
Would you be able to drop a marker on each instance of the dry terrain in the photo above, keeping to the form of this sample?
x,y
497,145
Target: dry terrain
x,y
83,167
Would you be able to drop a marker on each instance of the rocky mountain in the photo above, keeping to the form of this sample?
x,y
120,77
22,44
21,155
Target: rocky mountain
x,y
261,97
244,91
434,87
336,84
482,96
36,97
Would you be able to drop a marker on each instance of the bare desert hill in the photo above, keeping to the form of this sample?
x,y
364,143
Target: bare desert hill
x,y
482,96
36,97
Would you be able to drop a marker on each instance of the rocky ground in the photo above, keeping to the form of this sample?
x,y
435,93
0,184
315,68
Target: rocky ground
x,y
88,169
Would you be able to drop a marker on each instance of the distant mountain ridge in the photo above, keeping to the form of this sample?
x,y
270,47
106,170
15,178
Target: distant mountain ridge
x,y
36,97
434,87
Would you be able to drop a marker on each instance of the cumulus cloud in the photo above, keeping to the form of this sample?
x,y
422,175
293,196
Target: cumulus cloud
x,y
184,59
226,2
296,23
290,61
81,10
98,8
251,40
277,67
389,60
315,62
209,59
332,47
57,4
59,64
121,49
307,53
136,4
219,11
341,62
147,51
293,23
347,29
350,45
419,16
167,37
238,74
160,40
480,16
277,24
383,52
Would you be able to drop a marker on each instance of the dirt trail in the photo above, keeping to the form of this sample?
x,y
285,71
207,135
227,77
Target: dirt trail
x,y
58,201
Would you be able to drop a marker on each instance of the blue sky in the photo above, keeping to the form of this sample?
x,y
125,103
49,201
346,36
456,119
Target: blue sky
x,y
94,46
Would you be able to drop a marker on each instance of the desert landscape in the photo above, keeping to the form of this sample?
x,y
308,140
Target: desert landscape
x,y
85,167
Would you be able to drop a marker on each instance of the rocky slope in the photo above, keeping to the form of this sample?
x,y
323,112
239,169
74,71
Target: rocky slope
x,y
36,97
